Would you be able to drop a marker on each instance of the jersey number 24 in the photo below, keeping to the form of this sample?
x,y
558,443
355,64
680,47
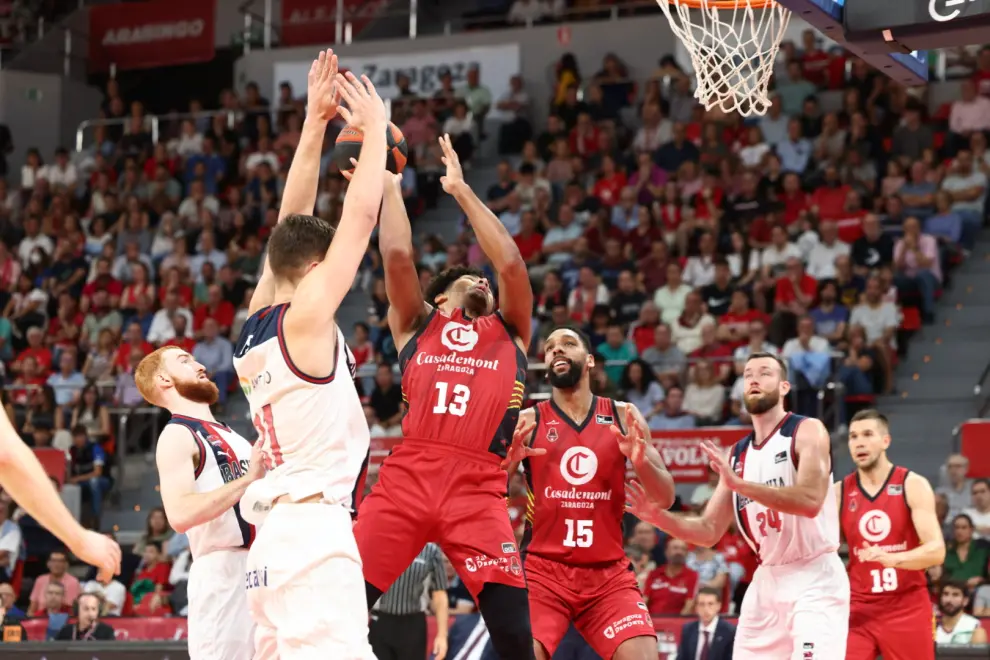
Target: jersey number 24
x,y
768,519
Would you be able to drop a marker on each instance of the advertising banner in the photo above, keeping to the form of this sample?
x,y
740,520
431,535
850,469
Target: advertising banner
x,y
142,35
307,22
497,64
131,629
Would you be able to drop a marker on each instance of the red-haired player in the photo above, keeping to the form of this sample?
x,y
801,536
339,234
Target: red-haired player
x,y
887,514
576,471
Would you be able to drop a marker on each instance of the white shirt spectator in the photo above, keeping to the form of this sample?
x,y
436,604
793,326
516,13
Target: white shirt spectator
x,y
525,11
113,594
512,221
875,321
688,340
970,116
28,246
187,145
162,330
976,179
650,139
671,303
520,98
980,520
601,297
699,271
793,346
455,126
775,258
752,155
10,542
558,234
64,177
821,259
257,158
189,209
215,257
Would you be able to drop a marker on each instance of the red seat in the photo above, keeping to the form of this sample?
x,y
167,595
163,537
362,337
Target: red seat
x,y
910,319
17,577
53,460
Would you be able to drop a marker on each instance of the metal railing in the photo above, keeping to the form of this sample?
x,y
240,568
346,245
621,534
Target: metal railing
x,y
155,123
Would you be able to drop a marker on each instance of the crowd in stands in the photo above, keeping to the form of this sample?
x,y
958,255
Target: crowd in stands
x,y
680,239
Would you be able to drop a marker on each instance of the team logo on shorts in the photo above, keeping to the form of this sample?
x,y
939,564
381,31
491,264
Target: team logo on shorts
x,y
642,606
459,337
874,526
469,564
610,633
808,652
514,565
578,465
508,548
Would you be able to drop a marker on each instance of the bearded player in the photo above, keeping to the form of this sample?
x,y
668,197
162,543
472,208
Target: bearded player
x,y
887,515
575,466
204,468
775,482
463,377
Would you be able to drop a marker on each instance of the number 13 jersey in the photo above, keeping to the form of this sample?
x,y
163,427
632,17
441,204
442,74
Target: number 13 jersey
x,y
883,520
780,538
463,380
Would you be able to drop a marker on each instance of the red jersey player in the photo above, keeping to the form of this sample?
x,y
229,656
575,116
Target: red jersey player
x,y
463,378
576,470
887,514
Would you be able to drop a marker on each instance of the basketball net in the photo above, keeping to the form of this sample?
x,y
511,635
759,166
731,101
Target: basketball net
x,y
733,47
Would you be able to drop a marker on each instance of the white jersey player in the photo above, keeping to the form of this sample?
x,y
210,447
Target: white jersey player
x,y
204,468
305,584
776,484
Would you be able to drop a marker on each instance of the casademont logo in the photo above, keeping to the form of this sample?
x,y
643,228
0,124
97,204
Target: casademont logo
x,y
143,34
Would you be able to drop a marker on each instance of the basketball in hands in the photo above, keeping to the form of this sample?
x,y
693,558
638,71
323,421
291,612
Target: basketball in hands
x,y
349,143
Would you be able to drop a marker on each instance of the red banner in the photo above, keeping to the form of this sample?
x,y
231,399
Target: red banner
x,y
142,35
307,22
974,444
681,449
132,629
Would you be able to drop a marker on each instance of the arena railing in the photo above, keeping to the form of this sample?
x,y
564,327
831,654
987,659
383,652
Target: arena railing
x,y
157,125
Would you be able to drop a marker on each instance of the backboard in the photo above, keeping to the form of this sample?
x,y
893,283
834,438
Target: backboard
x,y
832,18
918,24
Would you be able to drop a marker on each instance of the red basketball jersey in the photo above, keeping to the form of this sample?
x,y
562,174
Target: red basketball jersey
x,y
576,489
463,380
883,520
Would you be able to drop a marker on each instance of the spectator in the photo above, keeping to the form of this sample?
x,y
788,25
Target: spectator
x,y
878,318
386,400
10,544
617,352
830,318
88,627
8,602
112,595
514,105
795,151
670,589
87,462
709,637
640,387
151,580
703,492
956,628
704,397
68,382
917,262
673,416
794,295
711,568
672,297
717,296
912,137
979,513
41,599
970,114
527,12
856,373
157,530
460,127
216,354
821,261
957,489
664,357
92,414
968,187
966,559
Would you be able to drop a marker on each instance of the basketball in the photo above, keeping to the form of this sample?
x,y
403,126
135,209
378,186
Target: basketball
x,y
349,143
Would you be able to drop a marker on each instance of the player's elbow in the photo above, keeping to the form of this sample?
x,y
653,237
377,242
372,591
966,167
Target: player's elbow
x,y
180,525
513,266
811,507
397,253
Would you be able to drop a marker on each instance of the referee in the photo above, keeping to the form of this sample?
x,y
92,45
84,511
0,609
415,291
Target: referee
x,y
398,620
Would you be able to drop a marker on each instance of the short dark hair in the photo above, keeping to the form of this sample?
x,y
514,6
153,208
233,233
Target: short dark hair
x,y
157,545
711,591
773,356
296,241
79,429
954,584
871,414
445,279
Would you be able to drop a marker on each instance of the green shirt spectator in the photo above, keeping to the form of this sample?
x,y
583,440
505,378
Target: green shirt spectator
x,y
966,559
617,352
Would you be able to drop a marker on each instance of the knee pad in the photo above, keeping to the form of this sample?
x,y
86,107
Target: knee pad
x,y
372,593
506,613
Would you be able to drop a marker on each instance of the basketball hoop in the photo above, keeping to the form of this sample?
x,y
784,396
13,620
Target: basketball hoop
x,y
733,46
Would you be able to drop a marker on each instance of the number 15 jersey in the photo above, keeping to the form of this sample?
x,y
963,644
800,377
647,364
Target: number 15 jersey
x,y
780,538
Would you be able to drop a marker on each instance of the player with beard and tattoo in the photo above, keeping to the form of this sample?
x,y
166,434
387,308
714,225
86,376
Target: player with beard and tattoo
x,y
775,483
464,371
887,515
575,449
204,468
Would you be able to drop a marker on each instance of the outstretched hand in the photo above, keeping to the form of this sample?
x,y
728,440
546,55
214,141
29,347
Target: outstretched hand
x,y
719,461
365,109
519,449
322,92
455,174
639,503
632,443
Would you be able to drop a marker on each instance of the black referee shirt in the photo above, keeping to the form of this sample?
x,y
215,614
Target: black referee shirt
x,y
410,594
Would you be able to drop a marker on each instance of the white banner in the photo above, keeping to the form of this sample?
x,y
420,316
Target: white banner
x,y
497,65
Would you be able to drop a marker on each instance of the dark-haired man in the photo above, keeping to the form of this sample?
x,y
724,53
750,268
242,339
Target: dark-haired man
x,y
464,373
576,452
304,581
776,484
887,516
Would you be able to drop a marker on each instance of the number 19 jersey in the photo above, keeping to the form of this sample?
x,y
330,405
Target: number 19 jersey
x,y
463,380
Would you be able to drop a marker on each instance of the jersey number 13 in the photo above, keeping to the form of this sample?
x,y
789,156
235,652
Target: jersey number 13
x,y
452,400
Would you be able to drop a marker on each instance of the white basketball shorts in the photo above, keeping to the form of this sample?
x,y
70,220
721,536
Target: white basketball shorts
x,y
305,586
797,611
220,625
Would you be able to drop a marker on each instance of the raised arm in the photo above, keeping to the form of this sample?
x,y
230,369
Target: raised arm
x,y
931,552
635,444
515,293
177,457
705,530
319,294
22,476
302,183
807,495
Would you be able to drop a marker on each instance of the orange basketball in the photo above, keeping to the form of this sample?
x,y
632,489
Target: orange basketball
x,y
349,143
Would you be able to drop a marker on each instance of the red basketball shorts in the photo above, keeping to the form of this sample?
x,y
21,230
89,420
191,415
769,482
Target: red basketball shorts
x,y
604,603
898,627
455,498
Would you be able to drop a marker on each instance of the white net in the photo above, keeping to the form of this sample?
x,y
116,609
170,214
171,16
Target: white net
x,y
733,47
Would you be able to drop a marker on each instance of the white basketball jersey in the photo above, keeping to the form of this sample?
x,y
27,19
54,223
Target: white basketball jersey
x,y
314,431
780,538
223,456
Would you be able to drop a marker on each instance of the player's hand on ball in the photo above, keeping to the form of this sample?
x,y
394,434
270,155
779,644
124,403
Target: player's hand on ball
x,y
365,110
520,449
632,443
100,551
392,181
720,463
455,174
323,94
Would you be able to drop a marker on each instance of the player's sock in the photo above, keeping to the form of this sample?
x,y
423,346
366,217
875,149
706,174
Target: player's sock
x,y
373,593
506,613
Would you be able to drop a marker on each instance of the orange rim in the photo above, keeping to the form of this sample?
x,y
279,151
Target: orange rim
x,y
724,4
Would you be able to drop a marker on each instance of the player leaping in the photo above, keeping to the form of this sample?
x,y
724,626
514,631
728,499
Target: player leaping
x,y
575,465
305,587
204,468
464,372
777,485
888,518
